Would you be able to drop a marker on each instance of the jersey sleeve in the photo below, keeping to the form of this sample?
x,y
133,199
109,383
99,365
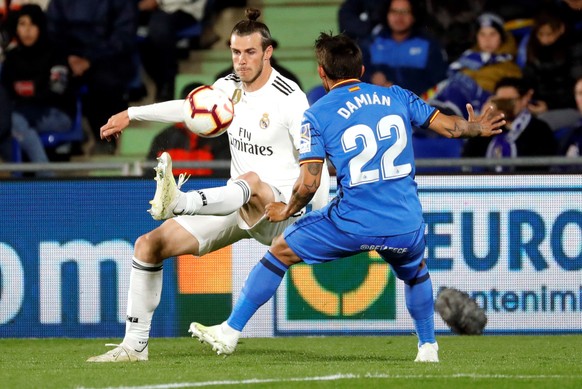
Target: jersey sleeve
x,y
294,110
421,113
311,147
166,112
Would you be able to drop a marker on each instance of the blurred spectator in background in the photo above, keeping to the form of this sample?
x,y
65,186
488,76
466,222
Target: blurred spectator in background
x,y
4,37
573,141
37,80
99,40
571,13
5,126
472,77
16,4
361,19
7,8
567,124
401,54
493,55
274,63
164,20
547,63
524,135
5,104
452,22
515,9
183,145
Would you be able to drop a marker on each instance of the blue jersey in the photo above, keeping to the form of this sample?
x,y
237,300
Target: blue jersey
x,y
365,130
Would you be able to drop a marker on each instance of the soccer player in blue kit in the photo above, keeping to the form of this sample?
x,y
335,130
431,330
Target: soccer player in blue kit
x,y
365,131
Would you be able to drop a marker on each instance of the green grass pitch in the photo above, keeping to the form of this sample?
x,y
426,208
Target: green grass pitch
x,y
300,362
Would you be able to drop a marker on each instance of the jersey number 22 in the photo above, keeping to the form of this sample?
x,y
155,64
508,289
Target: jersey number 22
x,y
388,127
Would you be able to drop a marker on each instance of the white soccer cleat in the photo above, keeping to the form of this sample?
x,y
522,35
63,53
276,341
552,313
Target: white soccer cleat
x,y
121,353
167,191
221,342
428,352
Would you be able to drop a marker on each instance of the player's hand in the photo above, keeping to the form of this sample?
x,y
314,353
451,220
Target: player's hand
x,y
276,212
115,126
489,120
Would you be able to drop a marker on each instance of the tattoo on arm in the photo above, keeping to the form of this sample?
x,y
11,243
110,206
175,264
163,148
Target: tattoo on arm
x,y
314,168
464,129
312,187
304,191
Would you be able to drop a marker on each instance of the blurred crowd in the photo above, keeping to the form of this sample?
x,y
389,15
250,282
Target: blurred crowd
x,y
522,57
61,60
59,57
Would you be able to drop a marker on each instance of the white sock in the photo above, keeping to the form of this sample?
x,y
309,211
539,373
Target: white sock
x,y
229,331
223,200
145,290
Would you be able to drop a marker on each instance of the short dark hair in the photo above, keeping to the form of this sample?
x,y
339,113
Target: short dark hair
x,y
522,85
339,56
250,25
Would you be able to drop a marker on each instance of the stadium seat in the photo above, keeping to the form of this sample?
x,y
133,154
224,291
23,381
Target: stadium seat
x,y
436,147
54,139
75,134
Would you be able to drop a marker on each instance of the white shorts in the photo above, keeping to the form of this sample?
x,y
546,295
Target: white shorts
x,y
216,232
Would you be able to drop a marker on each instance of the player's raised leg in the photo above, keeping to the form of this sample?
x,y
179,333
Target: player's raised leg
x,y
170,201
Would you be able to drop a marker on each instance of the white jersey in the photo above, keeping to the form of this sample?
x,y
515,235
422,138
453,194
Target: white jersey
x,y
264,134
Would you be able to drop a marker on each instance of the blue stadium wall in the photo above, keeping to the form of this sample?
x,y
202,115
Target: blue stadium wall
x,y
513,242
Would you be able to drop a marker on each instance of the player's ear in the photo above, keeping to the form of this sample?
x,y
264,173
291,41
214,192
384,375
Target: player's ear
x,y
363,70
268,53
321,72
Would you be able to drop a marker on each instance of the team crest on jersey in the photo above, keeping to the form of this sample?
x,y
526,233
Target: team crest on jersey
x,y
305,139
236,95
264,122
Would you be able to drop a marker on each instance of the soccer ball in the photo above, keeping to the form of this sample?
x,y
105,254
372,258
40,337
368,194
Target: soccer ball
x,y
208,112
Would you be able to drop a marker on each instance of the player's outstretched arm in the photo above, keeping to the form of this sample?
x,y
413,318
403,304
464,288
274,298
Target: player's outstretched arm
x,y
166,112
115,126
303,191
487,124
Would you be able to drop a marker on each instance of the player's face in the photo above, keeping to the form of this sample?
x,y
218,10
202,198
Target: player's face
x,y
248,57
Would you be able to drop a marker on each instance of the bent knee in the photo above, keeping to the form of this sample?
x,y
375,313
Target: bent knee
x,y
148,247
280,249
250,178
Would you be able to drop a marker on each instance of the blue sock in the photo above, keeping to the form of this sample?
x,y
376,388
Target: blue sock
x,y
420,304
260,286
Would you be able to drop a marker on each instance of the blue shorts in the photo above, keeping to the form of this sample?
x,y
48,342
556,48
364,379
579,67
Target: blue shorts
x,y
316,239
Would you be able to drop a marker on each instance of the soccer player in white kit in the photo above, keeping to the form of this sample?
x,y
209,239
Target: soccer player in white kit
x,y
264,140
